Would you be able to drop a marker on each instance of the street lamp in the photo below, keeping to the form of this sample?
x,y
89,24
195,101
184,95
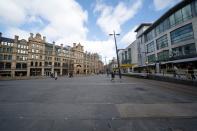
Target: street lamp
x,y
114,34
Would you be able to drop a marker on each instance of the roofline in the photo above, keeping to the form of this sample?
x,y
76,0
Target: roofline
x,y
142,24
168,13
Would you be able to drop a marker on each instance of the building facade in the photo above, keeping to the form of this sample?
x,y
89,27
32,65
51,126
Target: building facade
x,y
170,40
128,57
37,57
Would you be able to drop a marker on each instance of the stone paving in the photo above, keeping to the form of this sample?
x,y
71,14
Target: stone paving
x,y
95,103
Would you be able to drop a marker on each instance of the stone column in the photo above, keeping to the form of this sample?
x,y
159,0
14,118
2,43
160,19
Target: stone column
x,y
61,60
53,58
13,64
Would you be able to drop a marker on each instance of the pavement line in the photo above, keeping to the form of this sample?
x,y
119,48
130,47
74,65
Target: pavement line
x,y
157,110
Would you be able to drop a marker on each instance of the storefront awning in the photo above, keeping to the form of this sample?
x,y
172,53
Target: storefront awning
x,y
127,65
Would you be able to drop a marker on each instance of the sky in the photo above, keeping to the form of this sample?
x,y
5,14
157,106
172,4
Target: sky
x,y
88,22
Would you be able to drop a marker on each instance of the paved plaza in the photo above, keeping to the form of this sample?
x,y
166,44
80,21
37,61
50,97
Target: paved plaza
x,y
95,103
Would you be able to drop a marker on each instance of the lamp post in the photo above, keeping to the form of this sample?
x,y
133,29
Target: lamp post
x,y
114,34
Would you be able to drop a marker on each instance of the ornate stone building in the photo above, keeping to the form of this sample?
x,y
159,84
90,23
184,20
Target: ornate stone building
x,y
37,57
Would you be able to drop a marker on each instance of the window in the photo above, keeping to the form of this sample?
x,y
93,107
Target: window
x,y
151,58
166,24
189,49
172,20
149,36
1,57
178,17
196,6
164,55
5,57
150,47
187,12
177,52
162,42
129,53
157,31
9,57
182,34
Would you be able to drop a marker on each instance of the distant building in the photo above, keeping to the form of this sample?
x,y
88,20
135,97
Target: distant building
x,y
128,58
36,57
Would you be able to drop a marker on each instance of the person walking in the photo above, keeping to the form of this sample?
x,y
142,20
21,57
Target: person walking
x,y
112,75
176,72
55,75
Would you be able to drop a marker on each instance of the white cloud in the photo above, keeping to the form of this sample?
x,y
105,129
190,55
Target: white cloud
x,y
111,18
64,21
129,37
162,4
59,19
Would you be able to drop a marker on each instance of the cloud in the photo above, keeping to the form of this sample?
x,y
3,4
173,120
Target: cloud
x,y
59,19
111,18
129,37
64,21
162,4
105,47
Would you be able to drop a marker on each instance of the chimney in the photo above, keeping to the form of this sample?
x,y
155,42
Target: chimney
x,y
61,45
54,42
74,44
16,37
0,34
31,35
44,38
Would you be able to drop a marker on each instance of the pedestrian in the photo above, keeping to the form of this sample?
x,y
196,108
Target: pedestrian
x,y
112,75
55,75
176,72
191,72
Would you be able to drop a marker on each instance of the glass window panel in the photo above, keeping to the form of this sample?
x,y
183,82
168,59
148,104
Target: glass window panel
x,y
151,58
187,12
162,42
182,34
178,17
150,47
172,20
164,55
189,49
166,24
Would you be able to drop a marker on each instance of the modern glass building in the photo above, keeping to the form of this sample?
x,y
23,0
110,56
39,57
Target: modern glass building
x,y
170,40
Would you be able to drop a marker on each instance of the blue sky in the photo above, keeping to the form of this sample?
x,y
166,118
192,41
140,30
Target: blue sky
x,y
86,21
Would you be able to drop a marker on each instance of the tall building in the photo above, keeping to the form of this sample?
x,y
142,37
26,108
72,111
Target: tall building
x,y
170,40
37,57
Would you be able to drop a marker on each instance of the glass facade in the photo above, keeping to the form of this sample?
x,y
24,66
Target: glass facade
x,y
164,55
129,54
185,50
150,47
162,42
182,34
187,12
151,58
149,36
189,49
178,17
